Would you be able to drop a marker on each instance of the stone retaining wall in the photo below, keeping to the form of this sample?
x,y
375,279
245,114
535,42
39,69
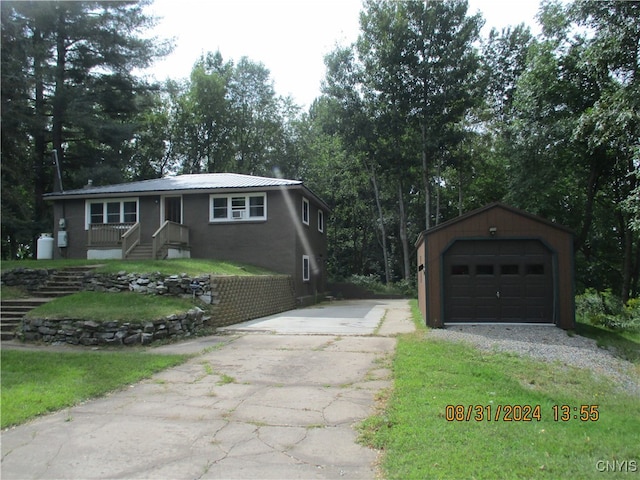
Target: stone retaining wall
x,y
229,299
87,332
151,283
238,299
28,278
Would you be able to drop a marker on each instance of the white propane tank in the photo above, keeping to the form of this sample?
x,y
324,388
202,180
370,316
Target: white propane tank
x,y
45,247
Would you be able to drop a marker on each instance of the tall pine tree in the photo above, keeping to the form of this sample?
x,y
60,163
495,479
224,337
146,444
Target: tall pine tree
x,y
73,63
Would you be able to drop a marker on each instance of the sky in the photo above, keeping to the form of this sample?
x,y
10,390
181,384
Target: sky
x,y
290,37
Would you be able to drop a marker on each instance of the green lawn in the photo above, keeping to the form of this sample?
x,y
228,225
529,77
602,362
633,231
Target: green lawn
x,y
107,307
419,441
626,344
190,266
37,382
13,293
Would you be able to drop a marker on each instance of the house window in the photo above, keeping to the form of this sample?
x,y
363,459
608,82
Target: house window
x,y
305,211
256,206
306,268
96,213
320,221
130,210
227,208
111,211
220,208
238,207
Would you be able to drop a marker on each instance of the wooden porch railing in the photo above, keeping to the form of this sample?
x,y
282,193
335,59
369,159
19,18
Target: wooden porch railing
x,y
107,234
169,233
130,239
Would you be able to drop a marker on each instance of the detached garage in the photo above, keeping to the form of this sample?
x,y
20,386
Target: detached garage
x,y
496,264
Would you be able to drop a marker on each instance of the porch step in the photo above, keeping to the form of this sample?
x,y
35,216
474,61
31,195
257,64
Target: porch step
x,y
12,312
141,251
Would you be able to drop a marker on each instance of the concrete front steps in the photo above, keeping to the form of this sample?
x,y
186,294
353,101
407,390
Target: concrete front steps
x,y
141,251
61,283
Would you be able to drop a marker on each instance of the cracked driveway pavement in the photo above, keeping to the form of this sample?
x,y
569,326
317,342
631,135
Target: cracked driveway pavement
x,y
257,405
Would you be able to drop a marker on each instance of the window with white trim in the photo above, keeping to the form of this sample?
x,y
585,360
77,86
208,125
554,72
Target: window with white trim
x,y
305,211
306,268
237,207
320,221
113,210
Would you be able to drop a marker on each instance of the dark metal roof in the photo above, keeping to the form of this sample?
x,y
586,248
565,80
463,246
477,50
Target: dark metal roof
x,y
184,184
203,181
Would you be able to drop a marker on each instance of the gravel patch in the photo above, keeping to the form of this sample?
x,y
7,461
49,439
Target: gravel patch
x,y
547,343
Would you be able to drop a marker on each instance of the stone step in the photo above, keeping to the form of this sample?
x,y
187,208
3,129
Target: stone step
x,y
12,312
60,288
61,283
7,336
55,293
10,322
32,302
64,282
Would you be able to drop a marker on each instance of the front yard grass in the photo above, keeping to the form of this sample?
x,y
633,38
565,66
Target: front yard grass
x,y
111,307
419,441
12,293
37,382
190,266
623,343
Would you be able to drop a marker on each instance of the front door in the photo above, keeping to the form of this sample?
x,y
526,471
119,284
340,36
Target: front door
x,y
173,209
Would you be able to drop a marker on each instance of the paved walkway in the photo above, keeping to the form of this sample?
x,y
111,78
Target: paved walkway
x,y
270,405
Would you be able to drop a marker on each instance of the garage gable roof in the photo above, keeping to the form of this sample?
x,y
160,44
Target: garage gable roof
x,y
486,208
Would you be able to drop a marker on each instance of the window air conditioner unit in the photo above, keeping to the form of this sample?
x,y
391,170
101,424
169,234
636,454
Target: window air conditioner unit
x,y
237,214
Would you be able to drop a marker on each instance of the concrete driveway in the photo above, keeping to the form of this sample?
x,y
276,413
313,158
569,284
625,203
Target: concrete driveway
x,y
279,403
347,317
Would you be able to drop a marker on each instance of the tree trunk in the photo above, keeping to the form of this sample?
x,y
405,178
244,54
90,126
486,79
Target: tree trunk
x,y
459,192
438,189
627,259
425,180
356,258
635,292
383,232
40,133
592,188
404,238
628,235
57,119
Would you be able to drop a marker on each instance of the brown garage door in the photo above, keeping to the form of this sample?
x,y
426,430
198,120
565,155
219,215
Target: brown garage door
x,y
498,281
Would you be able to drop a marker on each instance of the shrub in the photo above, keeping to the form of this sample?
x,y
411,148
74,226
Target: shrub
x,y
608,310
632,312
408,288
370,282
373,283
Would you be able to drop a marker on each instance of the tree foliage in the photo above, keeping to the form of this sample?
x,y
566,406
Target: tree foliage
x,y
67,87
420,120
